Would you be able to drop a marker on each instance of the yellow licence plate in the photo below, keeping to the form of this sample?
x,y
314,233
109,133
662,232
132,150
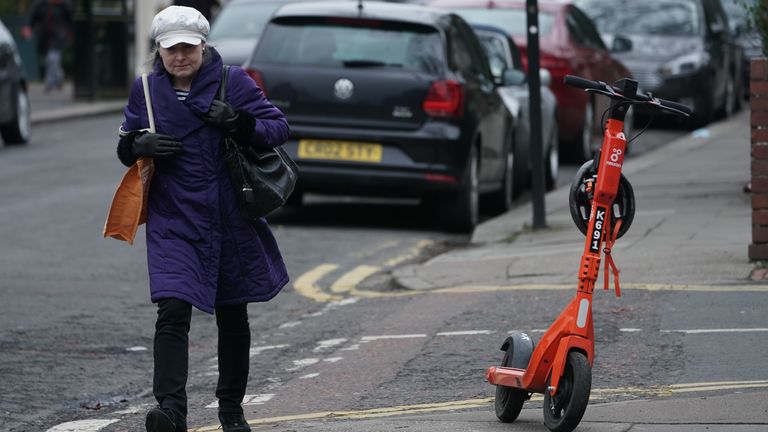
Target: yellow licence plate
x,y
339,150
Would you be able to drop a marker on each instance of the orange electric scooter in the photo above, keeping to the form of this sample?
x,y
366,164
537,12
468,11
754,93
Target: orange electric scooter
x,y
602,206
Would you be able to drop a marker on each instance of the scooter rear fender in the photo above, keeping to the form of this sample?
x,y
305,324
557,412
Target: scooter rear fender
x,y
520,347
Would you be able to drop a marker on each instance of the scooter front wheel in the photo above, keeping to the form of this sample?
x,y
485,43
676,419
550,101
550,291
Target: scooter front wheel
x,y
509,401
563,410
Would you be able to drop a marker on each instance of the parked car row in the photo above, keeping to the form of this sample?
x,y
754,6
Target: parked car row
x,y
569,45
429,98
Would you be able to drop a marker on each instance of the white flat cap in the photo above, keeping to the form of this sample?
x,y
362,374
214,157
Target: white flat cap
x,y
179,24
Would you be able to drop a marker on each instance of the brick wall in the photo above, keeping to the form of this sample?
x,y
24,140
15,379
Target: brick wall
x,y
758,101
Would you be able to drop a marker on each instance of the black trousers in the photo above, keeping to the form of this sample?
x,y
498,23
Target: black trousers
x,y
171,351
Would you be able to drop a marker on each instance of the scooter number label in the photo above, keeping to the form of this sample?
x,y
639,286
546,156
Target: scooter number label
x,y
597,233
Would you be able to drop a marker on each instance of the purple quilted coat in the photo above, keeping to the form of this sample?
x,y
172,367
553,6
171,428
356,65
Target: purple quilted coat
x,y
199,247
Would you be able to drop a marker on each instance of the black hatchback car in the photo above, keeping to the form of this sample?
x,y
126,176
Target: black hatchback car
x,y
389,99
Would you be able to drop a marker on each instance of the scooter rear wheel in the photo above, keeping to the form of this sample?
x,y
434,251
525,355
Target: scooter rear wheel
x,y
564,410
509,401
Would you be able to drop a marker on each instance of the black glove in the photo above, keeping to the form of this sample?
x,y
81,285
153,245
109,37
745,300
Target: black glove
x,y
223,116
155,145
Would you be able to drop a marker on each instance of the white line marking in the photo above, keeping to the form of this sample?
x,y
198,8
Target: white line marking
x,y
327,344
465,333
136,348
332,305
354,347
365,339
259,399
290,324
258,350
727,330
529,331
83,426
333,359
134,409
630,330
298,364
308,376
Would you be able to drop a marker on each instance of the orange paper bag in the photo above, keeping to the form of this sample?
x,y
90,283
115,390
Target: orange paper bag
x,y
129,205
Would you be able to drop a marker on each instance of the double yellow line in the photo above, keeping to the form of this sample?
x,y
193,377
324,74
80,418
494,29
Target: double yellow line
x,y
596,394
308,285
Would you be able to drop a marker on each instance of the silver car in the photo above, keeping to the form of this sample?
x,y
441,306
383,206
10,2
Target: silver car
x,y
504,58
14,101
237,28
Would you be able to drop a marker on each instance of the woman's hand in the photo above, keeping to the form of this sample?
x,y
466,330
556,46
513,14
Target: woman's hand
x,y
223,116
155,145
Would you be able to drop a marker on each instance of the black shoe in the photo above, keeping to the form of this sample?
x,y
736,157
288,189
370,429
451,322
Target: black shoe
x,y
163,420
233,422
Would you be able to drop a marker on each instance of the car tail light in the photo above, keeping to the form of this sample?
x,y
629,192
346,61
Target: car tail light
x,y
445,99
256,76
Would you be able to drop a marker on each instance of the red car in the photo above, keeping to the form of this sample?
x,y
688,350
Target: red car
x,y
569,45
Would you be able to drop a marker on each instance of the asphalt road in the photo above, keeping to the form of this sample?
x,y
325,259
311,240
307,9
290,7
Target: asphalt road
x,y
76,323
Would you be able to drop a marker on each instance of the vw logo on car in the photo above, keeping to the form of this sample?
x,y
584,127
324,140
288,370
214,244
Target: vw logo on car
x,y
343,88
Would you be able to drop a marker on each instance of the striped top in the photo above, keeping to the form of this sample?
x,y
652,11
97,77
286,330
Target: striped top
x,y
181,95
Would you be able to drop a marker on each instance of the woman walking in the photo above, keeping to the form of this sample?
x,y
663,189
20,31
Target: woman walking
x,y
200,251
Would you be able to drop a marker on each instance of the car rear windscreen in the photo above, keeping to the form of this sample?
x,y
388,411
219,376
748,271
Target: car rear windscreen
x,y
352,43
513,21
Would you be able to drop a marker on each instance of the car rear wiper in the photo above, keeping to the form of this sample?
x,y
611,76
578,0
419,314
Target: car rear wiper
x,y
369,63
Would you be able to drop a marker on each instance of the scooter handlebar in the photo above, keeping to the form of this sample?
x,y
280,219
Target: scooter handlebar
x,y
676,106
583,83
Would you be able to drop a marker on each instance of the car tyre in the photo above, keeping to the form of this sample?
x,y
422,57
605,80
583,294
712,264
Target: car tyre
x,y
500,201
582,148
552,162
18,130
729,99
459,212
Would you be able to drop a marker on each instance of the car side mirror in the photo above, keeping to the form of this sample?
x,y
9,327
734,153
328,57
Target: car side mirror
x,y
513,77
545,77
621,44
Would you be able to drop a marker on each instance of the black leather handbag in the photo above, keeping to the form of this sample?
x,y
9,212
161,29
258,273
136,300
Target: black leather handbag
x,y
263,180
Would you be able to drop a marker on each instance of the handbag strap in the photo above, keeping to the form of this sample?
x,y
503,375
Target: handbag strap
x,y
148,100
222,93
